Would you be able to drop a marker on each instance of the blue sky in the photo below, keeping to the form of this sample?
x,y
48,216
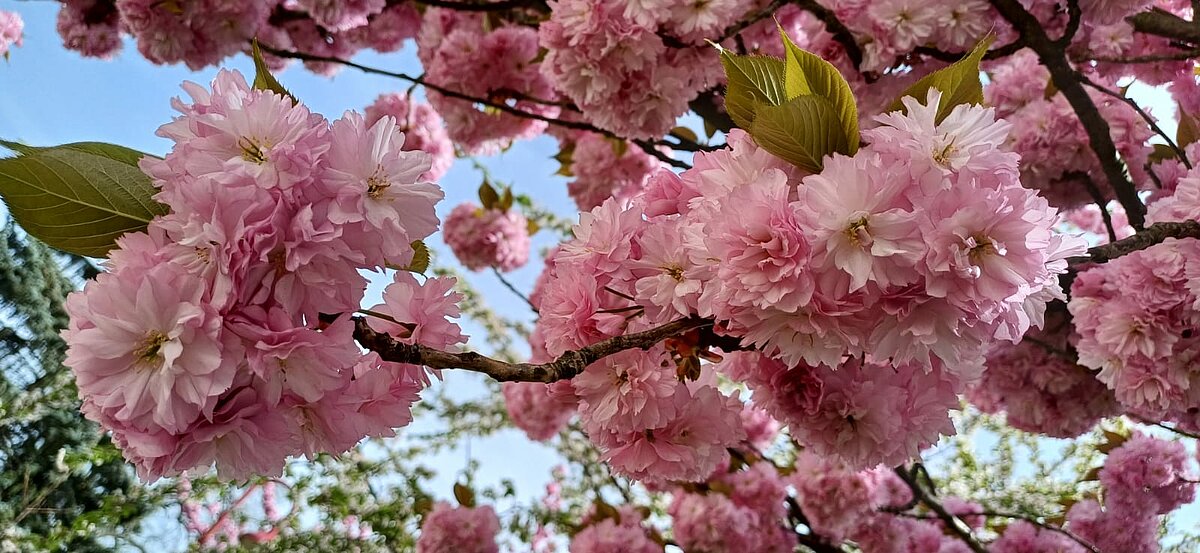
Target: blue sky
x,y
49,95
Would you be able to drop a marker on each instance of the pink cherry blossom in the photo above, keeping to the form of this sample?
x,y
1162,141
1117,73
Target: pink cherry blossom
x,y
11,27
482,237
449,529
147,351
423,128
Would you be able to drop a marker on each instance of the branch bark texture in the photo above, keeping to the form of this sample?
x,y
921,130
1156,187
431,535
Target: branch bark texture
x,y
566,366
1053,56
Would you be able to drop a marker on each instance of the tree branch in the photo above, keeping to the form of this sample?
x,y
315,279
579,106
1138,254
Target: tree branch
x,y
995,53
840,32
565,366
1151,235
646,146
502,5
1145,117
1065,78
1098,197
956,526
1165,24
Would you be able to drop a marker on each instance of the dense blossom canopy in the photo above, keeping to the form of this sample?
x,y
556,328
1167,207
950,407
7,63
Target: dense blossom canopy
x,y
770,330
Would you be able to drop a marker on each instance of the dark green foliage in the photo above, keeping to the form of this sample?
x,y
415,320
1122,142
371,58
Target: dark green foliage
x,y
59,475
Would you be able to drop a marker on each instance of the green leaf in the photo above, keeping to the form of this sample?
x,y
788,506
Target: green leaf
x,y
1188,131
753,81
80,197
619,146
709,129
465,495
685,133
801,131
1161,152
532,227
128,156
565,158
506,199
263,79
420,258
488,197
959,83
807,74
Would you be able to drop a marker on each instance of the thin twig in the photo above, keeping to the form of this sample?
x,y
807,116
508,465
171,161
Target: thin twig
x,y
225,514
647,146
1032,520
502,5
1165,427
1150,58
1099,198
1145,116
953,523
513,289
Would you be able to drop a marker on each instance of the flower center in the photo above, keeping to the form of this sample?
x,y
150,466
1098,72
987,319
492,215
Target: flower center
x,y
149,352
377,184
252,151
980,246
858,232
675,272
942,157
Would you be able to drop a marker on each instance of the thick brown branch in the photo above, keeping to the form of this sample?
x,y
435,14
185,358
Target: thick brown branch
x,y
1165,24
1065,78
566,366
1151,235
956,526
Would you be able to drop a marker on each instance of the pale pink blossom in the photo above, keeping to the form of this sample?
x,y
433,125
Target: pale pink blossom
x,y
448,529
487,237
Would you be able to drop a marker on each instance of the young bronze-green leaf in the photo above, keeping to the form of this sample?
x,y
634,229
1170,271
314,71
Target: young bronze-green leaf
x,y
807,74
753,81
78,199
420,260
802,131
959,83
263,79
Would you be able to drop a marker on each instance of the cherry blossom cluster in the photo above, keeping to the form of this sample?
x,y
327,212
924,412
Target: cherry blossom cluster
x,y
622,532
869,291
741,509
1040,387
604,168
459,52
423,129
1056,156
220,334
483,237
842,503
11,31
610,59
202,33
1142,479
1135,317
448,529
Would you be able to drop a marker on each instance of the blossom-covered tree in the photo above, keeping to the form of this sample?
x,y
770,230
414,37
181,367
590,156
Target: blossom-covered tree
x,y
902,215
